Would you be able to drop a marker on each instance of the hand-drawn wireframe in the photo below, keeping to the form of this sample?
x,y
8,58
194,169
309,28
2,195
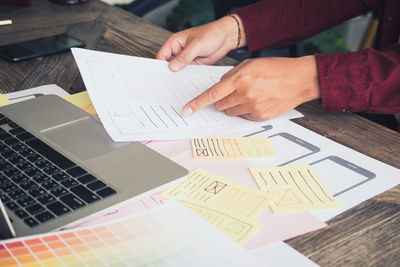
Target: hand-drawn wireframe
x,y
297,141
215,187
265,128
355,174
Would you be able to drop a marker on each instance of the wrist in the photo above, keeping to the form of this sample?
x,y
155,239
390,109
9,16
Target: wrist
x,y
313,88
233,27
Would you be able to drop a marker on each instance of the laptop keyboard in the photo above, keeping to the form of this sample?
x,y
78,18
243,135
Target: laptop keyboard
x,y
37,182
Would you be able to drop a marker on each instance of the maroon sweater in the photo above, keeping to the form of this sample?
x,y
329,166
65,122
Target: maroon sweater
x,y
364,81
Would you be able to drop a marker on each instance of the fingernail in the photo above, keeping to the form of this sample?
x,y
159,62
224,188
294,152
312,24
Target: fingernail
x,y
176,65
187,111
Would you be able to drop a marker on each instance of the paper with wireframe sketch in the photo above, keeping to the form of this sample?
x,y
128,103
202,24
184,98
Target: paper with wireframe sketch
x,y
295,188
231,147
226,196
140,98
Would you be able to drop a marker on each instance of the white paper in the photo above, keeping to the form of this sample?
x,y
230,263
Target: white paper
x,y
141,99
281,255
351,177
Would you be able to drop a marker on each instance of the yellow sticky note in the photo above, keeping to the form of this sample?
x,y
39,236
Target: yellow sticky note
x,y
209,190
231,147
295,188
238,229
4,100
82,101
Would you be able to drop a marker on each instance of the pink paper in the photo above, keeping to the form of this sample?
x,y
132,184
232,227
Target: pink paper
x,y
171,148
280,227
132,208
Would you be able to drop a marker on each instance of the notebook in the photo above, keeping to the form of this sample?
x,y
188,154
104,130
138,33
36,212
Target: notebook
x,y
59,167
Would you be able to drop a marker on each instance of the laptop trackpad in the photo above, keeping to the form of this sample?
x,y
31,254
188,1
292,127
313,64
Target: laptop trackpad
x,y
85,138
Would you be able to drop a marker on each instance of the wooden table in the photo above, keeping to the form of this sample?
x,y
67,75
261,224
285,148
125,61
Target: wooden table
x,y
368,234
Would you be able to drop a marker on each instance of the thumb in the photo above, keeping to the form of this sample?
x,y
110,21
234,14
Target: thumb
x,y
188,54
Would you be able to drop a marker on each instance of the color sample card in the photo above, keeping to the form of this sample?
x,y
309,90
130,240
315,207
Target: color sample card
x,y
169,235
225,196
295,188
231,147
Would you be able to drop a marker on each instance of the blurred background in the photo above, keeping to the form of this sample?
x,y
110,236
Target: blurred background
x,y
176,15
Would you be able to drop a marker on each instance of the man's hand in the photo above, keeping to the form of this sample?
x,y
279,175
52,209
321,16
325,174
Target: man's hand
x,y
205,44
263,88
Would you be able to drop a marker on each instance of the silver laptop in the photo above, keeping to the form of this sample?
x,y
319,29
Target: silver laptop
x,y
59,166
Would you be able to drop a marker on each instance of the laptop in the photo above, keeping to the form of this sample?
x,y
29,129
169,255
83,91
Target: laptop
x,y
58,166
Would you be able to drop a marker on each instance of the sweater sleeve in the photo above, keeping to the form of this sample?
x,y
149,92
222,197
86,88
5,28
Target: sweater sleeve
x,y
363,81
276,23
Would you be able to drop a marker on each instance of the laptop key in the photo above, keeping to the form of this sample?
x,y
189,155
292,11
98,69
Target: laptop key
x,y
16,159
70,182
50,170
36,192
12,205
12,124
59,191
84,194
96,185
19,146
35,158
9,154
51,154
11,172
50,184
4,120
76,172
4,136
41,178
44,216
4,198
33,172
8,187
24,166
87,179
35,209
27,152
60,176
58,208
20,178
28,185
105,192
25,136
5,165
3,147
11,141
46,199
17,130
31,222
43,164
16,194
72,201
21,213
26,201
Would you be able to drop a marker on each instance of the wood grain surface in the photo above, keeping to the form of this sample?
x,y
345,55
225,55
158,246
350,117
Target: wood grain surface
x,y
366,235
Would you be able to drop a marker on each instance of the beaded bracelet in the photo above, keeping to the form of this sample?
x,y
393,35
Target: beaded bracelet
x,y
239,32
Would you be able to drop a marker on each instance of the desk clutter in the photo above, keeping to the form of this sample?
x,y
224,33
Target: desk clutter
x,y
250,185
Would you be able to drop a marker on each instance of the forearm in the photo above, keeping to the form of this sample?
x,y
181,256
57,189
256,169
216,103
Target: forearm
x,y
275,23
364,81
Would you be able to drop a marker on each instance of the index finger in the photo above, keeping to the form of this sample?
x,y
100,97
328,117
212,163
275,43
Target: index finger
x,y
217,92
